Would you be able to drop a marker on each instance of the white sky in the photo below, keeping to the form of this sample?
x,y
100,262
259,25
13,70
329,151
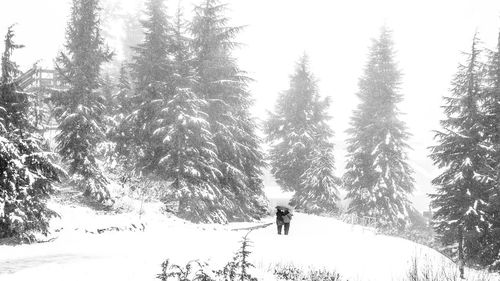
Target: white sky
x,y
428,34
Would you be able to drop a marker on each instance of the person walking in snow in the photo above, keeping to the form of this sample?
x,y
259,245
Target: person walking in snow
x,y
279,219
283,218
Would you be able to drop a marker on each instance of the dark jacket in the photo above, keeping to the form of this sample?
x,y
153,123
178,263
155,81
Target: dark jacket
x,y
279,216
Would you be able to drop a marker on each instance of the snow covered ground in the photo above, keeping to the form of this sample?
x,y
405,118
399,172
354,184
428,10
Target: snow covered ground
x,y
357,253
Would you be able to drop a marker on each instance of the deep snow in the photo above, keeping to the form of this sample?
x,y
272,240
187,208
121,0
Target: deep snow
x,y
356,252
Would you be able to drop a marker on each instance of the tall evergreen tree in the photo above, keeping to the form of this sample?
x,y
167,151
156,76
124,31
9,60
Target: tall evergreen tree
x,y
80,108
108,89
153,74
305,115
491,251
378,178
189,160
123,132
182,52
225,88
133,33
291,129
462,195
26,174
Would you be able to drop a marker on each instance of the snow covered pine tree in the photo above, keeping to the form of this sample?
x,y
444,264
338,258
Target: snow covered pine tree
x,y
491,252
462,194
26,174
193,127
80,109
224,87
290,128
190,159
301,154
378,178
320,185
152,68
122,133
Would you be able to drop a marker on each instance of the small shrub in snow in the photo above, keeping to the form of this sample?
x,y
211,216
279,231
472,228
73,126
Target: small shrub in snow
x,y
235,270
418,272
291,272
428,272
424,236
193,271
288,273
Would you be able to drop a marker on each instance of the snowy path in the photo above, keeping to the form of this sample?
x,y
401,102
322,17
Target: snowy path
x,y
14,265
355,252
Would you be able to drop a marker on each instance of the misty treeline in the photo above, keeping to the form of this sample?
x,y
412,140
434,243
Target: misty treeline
x,y
180,114
177,116
378,177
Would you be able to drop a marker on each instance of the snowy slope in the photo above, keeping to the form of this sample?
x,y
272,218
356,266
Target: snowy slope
x,y
355,252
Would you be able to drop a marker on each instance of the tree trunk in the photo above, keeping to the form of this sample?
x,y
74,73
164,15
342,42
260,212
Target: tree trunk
x,y
461,261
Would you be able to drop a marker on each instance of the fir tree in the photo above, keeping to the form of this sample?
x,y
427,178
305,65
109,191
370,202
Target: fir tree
x,y
182,52
80,108
319,192
111,106
237,269
133,33
491,251
124,129
26,174
378,178
152,71
320,185
291,129
224,86
108,90
462,194
124,94
190,160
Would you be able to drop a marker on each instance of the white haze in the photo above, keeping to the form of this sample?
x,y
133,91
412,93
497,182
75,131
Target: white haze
x,y
429,37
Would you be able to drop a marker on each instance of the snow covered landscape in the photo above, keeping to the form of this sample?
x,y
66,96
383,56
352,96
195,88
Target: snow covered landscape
x,y
357,253
213,140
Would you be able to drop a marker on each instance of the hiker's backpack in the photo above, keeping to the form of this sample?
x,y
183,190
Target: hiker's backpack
x,y
287,218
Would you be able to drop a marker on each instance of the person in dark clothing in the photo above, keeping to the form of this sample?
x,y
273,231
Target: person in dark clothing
x,y
283,217
279,219
287,217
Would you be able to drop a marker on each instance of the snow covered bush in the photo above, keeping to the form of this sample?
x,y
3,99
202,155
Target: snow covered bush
x,y
420,271
193,271
319,194
235,270
25,183
290,272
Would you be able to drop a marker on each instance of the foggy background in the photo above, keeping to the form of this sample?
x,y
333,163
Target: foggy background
x,y
428,35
